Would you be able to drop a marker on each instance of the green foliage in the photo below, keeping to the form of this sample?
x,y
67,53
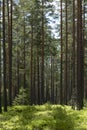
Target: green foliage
x,y
43,117
62,120
85,102
22,98
48,106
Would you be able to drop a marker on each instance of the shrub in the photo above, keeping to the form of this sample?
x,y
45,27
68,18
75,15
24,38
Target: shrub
x,y
85,102
48,106
22,98
62,120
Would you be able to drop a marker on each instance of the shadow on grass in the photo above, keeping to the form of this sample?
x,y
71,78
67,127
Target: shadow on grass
x,y
17,118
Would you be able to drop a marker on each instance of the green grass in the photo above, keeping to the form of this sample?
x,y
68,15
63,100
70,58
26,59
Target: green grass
x,y
44,117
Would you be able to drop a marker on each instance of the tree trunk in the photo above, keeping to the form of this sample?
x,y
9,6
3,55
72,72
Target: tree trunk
x,y
31,67
42,65
0,79
52,79
4,60
10,51
24,57
66,54
38,77
61,69
80,57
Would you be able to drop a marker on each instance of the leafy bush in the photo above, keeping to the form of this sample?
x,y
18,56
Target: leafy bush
x,y
48,106
53,118
85,103
22,98
62,120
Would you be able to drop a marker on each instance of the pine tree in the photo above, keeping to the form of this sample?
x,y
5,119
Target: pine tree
x,y
66,56
10,50
24,56
42,65
4,60
80,57
61,42
0,73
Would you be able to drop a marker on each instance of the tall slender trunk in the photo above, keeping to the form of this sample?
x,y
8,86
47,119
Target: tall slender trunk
x,y
66,54
0,90
73,85
0,68
34,81
31,66
47,84
73,45
42,66
18,72
10,52
56,92
7,50
4,60
84,33
0,78
38,77
61,69
46,97
24,57
52,79
80,57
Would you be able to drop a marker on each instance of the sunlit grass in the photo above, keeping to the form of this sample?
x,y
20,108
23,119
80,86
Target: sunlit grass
x,y
43,117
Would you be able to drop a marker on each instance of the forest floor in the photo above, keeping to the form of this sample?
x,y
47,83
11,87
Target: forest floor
x,y
43,117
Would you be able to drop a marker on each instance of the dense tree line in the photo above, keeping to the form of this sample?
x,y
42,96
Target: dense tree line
x,y
51,66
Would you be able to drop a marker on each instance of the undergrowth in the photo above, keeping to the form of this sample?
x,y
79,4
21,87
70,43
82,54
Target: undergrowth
x,y
43,117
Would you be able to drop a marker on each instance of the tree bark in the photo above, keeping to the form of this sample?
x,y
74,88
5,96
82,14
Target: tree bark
x,y
10,52
61,69
80,57
4,60
66,54
0,79
24,57
42,66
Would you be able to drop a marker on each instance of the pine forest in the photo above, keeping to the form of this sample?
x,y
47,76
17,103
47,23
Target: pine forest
x,y
43,64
